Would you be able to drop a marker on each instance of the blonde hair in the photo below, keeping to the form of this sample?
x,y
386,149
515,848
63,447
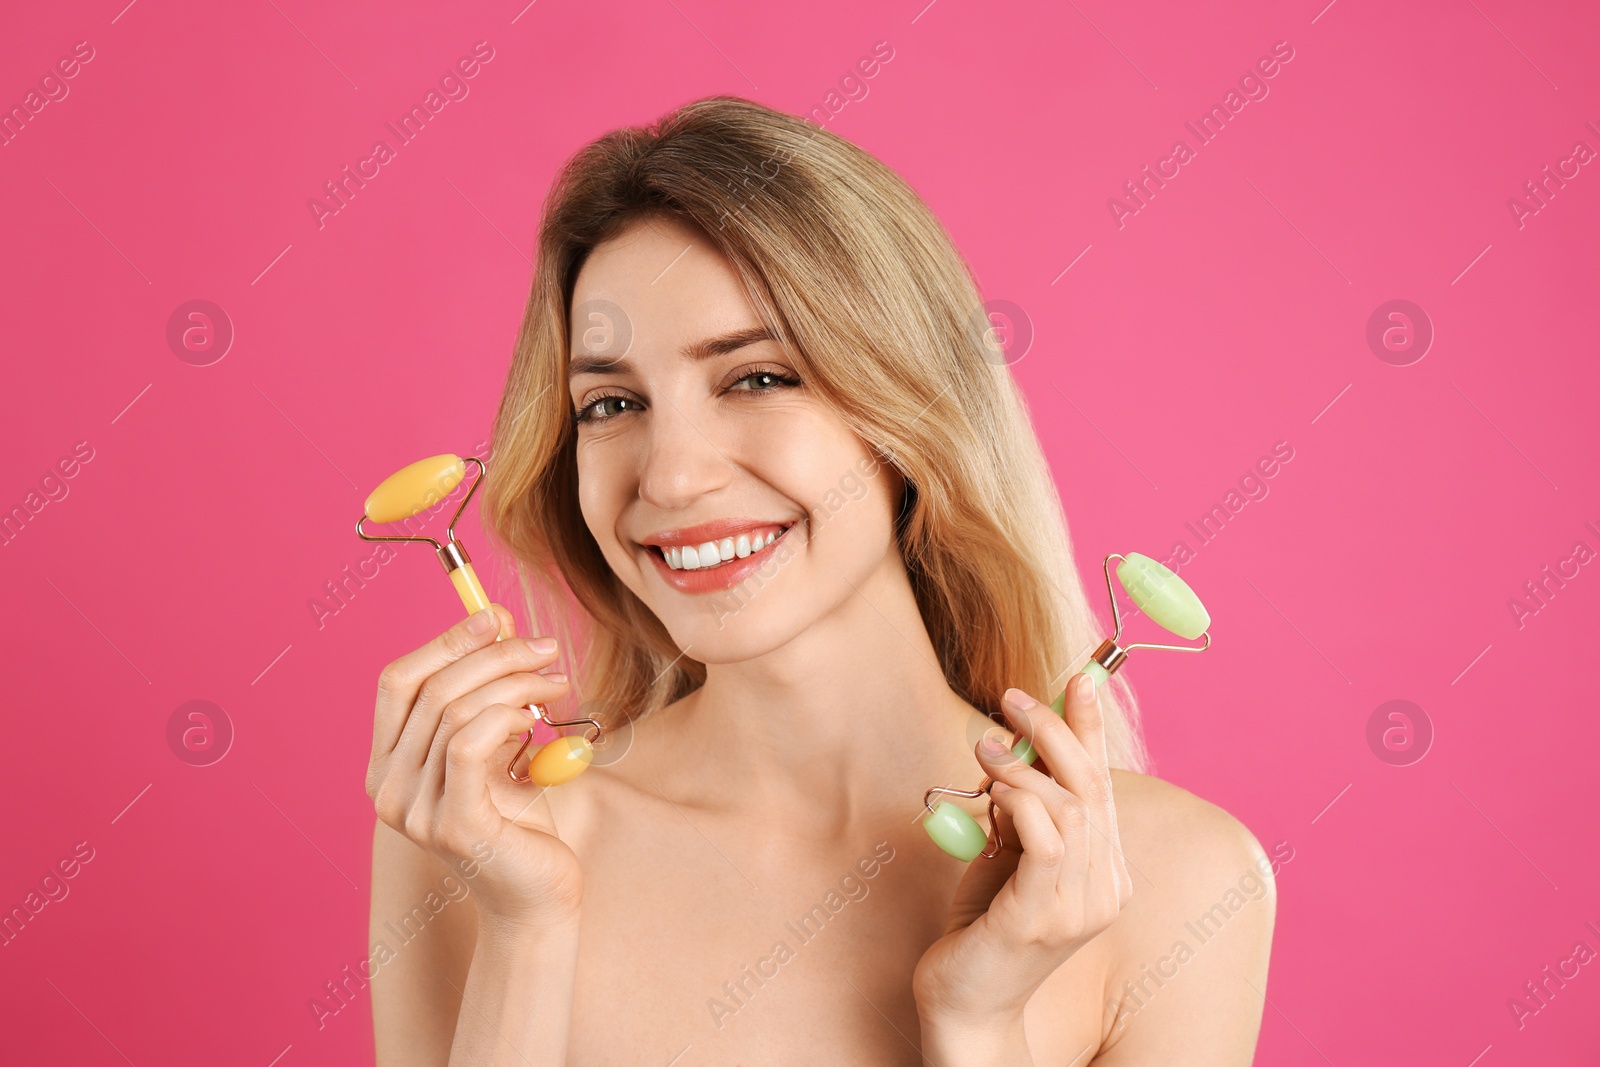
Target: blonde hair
x,y
863,288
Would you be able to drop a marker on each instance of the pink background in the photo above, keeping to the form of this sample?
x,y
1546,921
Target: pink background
x,y
1228,314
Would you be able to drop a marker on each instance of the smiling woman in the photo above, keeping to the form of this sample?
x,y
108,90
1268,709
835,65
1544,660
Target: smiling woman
x,y
832,306
782,393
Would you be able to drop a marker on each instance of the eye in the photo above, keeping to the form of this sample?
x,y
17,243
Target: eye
x,y
589,411
608,406
771,381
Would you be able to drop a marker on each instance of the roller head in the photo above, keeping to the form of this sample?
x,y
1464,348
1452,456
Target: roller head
x,y
416,488
1163,596
953,830
561,760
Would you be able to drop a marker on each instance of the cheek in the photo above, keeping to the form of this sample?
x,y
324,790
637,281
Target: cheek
x,y
589,490
817,463
854,518
599,500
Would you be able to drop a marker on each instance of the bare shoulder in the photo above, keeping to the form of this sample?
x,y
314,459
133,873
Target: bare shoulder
x,y
1189,952
1180,833
1187,856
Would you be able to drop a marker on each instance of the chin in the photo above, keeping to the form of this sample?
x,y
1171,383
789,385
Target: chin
x,y
725,647
734,626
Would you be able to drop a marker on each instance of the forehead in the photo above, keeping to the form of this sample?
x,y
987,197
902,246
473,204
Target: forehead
x,y
659,281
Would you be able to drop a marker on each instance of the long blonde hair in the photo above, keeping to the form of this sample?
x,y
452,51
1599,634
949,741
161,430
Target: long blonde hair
x,y
862,286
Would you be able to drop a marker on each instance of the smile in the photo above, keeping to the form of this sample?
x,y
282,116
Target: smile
x,y
709,554
718,563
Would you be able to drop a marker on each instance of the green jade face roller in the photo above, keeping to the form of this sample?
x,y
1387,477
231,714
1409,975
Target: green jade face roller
x,y
1156,591
419,487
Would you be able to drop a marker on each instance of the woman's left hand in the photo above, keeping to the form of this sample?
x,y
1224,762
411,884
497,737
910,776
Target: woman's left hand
x,y
1058,882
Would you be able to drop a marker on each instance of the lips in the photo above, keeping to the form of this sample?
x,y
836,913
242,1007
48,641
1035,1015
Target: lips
x,y
715,530
725,575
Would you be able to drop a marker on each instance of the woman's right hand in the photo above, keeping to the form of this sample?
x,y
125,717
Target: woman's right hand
x,y
448,719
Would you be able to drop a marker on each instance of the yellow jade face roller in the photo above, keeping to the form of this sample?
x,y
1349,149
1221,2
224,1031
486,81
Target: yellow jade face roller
x,y
419,487
1156,591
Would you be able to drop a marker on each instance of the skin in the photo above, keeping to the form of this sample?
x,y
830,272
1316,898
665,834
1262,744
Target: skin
x,y
707,830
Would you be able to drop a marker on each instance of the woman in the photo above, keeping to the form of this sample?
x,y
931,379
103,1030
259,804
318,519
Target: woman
x,y
751,427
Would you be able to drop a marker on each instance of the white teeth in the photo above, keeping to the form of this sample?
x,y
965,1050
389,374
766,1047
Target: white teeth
x,y
713,553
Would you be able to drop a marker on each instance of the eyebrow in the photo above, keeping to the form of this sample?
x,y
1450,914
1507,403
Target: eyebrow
x,y
699,351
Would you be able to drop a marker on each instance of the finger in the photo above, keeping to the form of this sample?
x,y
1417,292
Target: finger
x,y
466,800
1087,813
1069,813
1063,874
1047,857
1004,765
508,621
478,668
1086,718
401,680
1070,764
426,787
518,690
1077,800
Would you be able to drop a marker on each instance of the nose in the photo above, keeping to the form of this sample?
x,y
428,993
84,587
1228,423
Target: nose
x,y
682,460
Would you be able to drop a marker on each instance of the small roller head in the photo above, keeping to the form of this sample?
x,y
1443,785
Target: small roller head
x,y
1163,596
955,831
561,760
416,488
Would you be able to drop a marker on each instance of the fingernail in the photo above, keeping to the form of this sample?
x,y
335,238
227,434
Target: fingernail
x,y
543,645
554,676
992,746
1017,700
1085,687
483,622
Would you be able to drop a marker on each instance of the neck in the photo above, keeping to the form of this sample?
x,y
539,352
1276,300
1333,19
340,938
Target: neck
x,y
845,725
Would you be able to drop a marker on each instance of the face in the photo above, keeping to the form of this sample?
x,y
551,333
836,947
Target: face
x,y
723,491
